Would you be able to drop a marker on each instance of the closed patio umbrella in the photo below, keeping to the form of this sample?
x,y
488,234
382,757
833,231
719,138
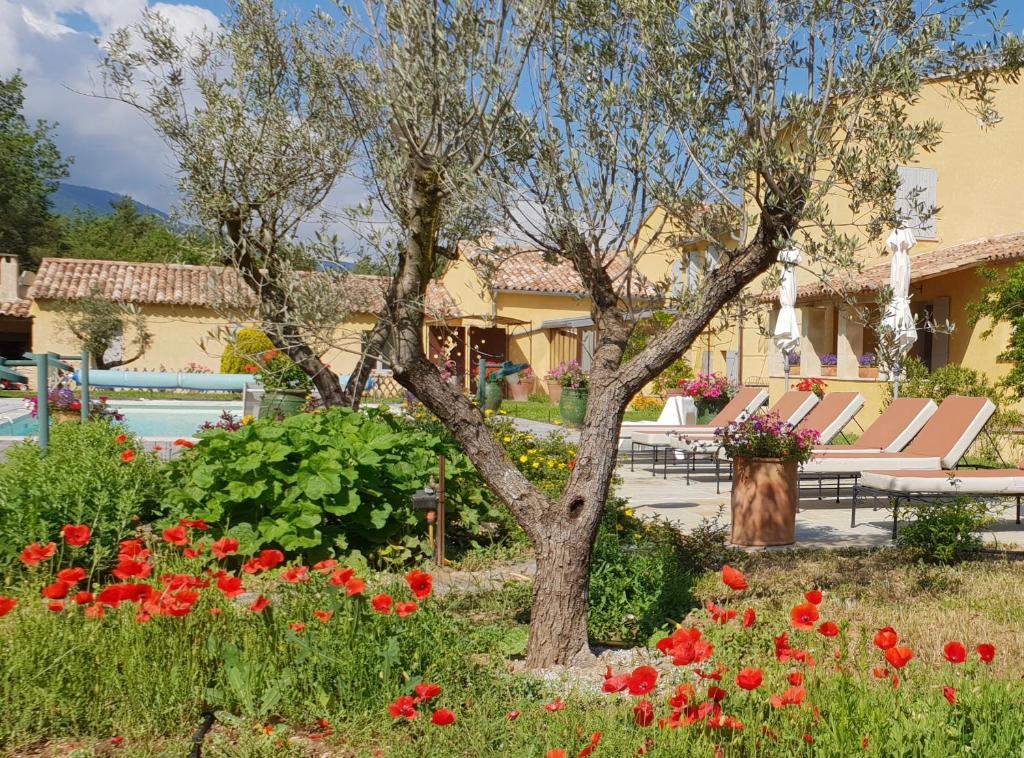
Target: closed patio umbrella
x,y
787,328
898,320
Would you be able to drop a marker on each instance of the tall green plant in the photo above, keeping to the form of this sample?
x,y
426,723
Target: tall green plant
x,y
1002,300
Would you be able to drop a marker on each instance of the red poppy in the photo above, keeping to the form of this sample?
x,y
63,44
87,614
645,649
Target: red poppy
x,y
950,694
129,569
128,456
296,574
176,535
804,615
720,615
643,713
420,582
796,679
324,566
792,696
259,605
266,560
184,443
35,553
121,439
193,552
749,618
231,586
197,523
323,616
403,707
512,715
382,604
899,657
7,605
880,673
224,547
77,535
749,679
733,579
443,717
813,597
955,652
556,753
297,626
83,597
340,577
56,591
215,611
595,740
427,690
354,586
642,680
684,695
558,705
685,646
71,575
716,693
828,629
986,652
56,606
886,638
133,549
614,683
95,612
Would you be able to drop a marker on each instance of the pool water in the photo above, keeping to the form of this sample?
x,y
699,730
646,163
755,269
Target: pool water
x,y
166,418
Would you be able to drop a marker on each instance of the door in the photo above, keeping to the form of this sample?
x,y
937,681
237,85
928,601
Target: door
x,y
491,344
448,341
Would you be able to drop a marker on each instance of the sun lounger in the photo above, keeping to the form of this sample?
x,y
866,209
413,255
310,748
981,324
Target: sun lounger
x,y
831,415
892,431
742,404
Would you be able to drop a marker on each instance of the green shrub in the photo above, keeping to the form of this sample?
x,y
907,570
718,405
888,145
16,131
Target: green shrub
x,y
81,480
318,482
245,350
943,532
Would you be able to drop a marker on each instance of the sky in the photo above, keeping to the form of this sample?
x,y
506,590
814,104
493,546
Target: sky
x,y
53,44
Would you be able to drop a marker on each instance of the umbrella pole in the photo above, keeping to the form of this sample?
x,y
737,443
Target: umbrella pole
x,y
785,367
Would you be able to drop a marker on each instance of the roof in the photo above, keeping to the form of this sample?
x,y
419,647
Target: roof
x,y
1004,248
15,308
519,269
196,286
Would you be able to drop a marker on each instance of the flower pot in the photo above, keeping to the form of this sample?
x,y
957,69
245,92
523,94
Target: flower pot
x,y
554,391
765,494
794,370
573,405
828,370
522,389
867,372
675,392
492,396
708,409
282,403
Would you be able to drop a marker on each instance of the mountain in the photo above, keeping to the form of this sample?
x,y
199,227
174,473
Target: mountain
x,y
70,198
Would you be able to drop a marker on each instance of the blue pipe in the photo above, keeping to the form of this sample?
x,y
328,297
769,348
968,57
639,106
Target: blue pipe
x,y
168,380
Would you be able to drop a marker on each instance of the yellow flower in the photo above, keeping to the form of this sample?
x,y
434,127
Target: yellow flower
x,y
507,439
523,459
503,413
558,422
536,465
532,450
551,463
488,412
561,465
629,512
246,420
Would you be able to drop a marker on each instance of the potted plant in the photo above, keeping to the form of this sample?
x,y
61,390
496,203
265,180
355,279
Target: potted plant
x,y
815,385
493,391
554,383
829,363
670,382
794,363
766,453
64,405
286,386
868,366
524,386
710,393
575,391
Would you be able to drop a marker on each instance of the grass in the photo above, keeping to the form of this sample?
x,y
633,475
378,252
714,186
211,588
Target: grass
x,y
541,409
68,681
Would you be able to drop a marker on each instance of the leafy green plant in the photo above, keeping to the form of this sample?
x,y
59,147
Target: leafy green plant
x,y
246,349
83,479
337,480
943,532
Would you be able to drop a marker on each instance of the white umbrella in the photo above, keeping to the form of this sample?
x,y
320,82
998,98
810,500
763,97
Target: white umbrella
x,y
787,328
898,320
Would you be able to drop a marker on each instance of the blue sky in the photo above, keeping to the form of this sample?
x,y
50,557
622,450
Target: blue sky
x,y
53,44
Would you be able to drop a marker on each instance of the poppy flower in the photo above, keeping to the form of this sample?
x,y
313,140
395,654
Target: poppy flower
x,y
420,582
613,683
813,597
133,549
720,615
792,696
899,657
259,605
231,586
95,612
427,690
296,574
56,591
685,646
324,566
804,615
950,694
733,579
35,553
129,569
297,626
642,680
83,597
684,695
716,693
224,547
71,575
558,705
180,442
193,552
215,611
340,577
354,586
749,618
749,679
56,606
986,652
7,605
643,713
404,609
197,524
796,679
886,638
176,535
382,604
828,629
76,535
128,456
557,752
403,707
512,715
880,673
442,717
121,439
595,740
955,652
323,616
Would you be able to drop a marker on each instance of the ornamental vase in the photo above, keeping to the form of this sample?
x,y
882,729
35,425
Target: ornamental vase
x,y
765,495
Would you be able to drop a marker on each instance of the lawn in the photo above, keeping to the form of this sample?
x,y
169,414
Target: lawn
x,y
541,409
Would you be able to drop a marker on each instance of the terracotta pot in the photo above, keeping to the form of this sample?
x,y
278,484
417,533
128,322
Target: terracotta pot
x,y
765,494
828,370
867,372
675,392
794,370
554,391
522,389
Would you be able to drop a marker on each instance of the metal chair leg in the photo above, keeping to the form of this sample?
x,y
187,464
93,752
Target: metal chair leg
x,y
718,475
895,515
853,509
632,455
1018,509
839,481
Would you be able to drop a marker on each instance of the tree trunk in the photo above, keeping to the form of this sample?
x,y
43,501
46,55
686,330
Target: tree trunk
x,y
561,600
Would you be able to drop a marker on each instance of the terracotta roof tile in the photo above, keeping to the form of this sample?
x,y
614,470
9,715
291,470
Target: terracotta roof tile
x,y
197,286
928,264
518,269
15,308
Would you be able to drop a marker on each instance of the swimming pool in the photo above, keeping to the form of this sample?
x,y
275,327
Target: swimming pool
x,y
147,418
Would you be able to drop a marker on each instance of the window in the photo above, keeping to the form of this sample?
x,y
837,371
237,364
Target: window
x,y
916,197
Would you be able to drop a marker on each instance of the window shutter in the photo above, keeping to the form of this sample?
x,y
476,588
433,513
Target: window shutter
x,y
714,257
693,271
732,366
925,181
677,279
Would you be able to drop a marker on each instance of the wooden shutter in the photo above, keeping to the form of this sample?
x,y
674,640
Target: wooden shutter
x,y
925,181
